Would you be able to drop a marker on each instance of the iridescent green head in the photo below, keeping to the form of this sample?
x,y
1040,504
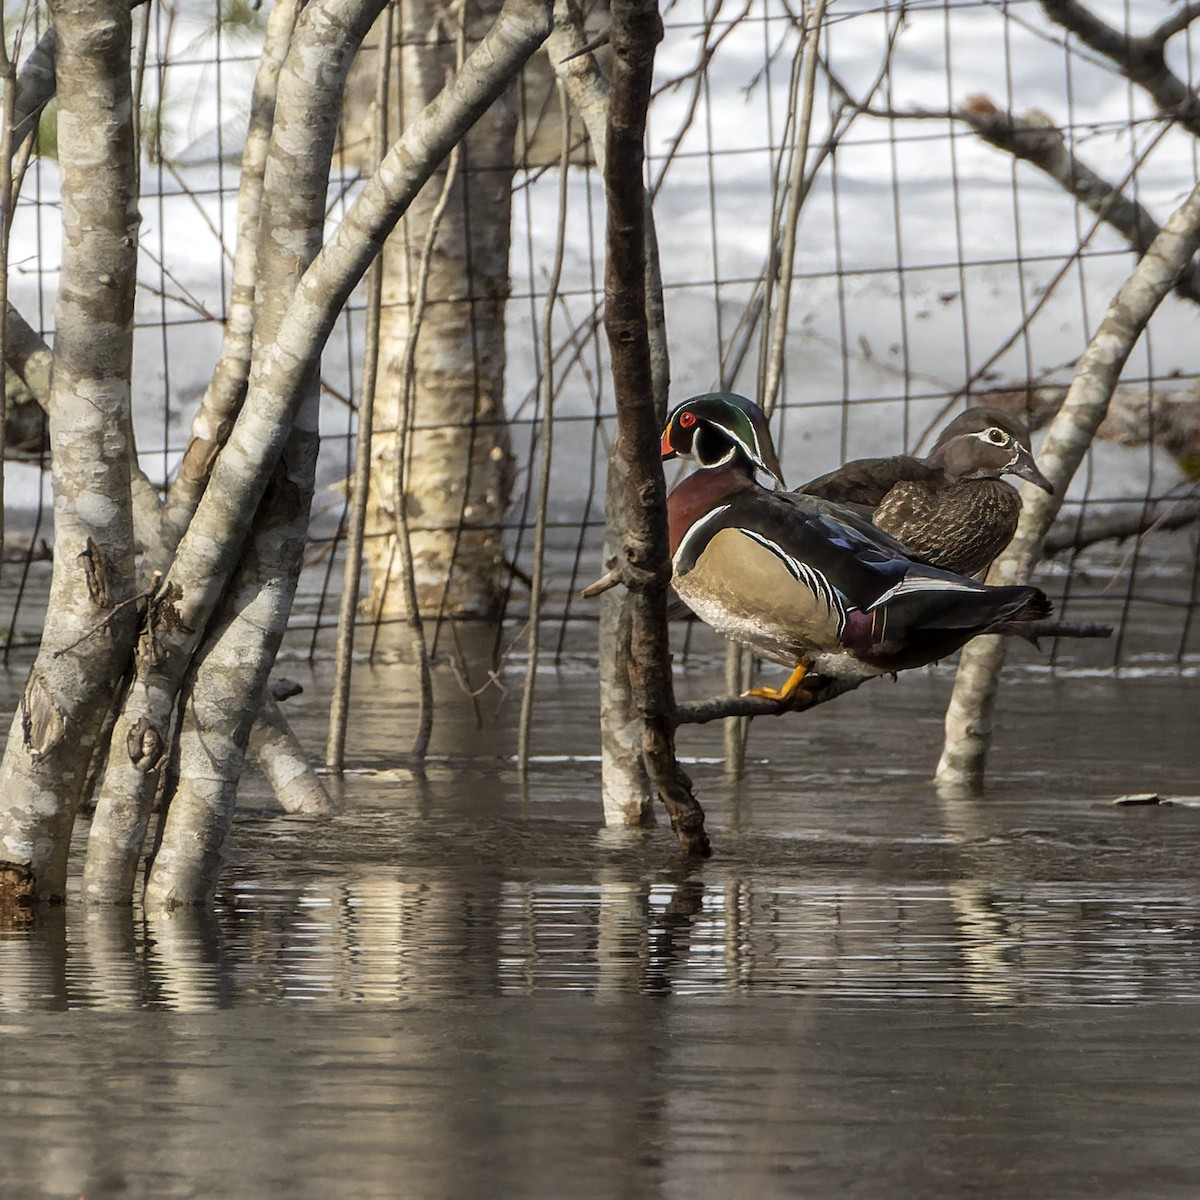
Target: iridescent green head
x,y
719,428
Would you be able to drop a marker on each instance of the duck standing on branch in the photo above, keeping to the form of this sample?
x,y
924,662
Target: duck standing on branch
x,y
803,581
951,509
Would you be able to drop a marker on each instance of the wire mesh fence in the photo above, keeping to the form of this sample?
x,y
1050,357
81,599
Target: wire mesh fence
x,y
937,264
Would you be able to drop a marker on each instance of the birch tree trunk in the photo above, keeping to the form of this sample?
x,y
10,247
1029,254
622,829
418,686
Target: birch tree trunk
x,y
226,688
210,549
458,477
157,527
90,620
970,713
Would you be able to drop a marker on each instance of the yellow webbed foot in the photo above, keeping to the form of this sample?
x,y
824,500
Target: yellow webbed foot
x,y
789,690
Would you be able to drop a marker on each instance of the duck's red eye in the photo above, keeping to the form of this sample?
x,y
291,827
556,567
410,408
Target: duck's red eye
x,y
687,419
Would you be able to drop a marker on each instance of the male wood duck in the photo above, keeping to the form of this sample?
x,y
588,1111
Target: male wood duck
x,y
803,581
951,509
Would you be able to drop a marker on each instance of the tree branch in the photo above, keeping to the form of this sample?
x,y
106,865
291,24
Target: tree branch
x,y
700,712
1116,526
227,384
1035,139
1140,59
969,716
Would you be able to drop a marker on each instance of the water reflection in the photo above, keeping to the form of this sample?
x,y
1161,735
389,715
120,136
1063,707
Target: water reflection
x,y
460,986
380,939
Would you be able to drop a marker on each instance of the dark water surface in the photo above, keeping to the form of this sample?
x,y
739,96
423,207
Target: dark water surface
x,y
463,987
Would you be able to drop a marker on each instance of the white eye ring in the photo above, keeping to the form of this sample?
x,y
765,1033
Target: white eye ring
x,y
996,436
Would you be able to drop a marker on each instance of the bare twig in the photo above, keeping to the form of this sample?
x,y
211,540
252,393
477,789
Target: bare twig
x,y
108,618
598,587
339,713
1176,23
797,191
408,383
547,438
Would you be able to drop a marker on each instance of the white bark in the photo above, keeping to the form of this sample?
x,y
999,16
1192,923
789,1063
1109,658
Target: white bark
x,y
227,387
969,716
209,551
284,762
90,623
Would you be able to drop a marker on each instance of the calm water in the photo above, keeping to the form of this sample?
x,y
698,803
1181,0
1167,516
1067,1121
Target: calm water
x,y
464,988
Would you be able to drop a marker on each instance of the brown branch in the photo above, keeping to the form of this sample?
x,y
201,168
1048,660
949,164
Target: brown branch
x,y
1174,24
1112,527
715,708
636,29
1035,139
1031,631
1139,59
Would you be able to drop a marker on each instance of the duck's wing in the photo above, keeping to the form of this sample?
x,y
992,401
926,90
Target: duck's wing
x,y
837,544
867,481
961,528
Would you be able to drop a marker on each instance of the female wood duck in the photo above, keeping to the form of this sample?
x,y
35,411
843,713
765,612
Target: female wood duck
x,y
951,509
801,580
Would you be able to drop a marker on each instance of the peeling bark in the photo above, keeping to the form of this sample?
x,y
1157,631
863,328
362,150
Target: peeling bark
x,y
970,714
83,646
